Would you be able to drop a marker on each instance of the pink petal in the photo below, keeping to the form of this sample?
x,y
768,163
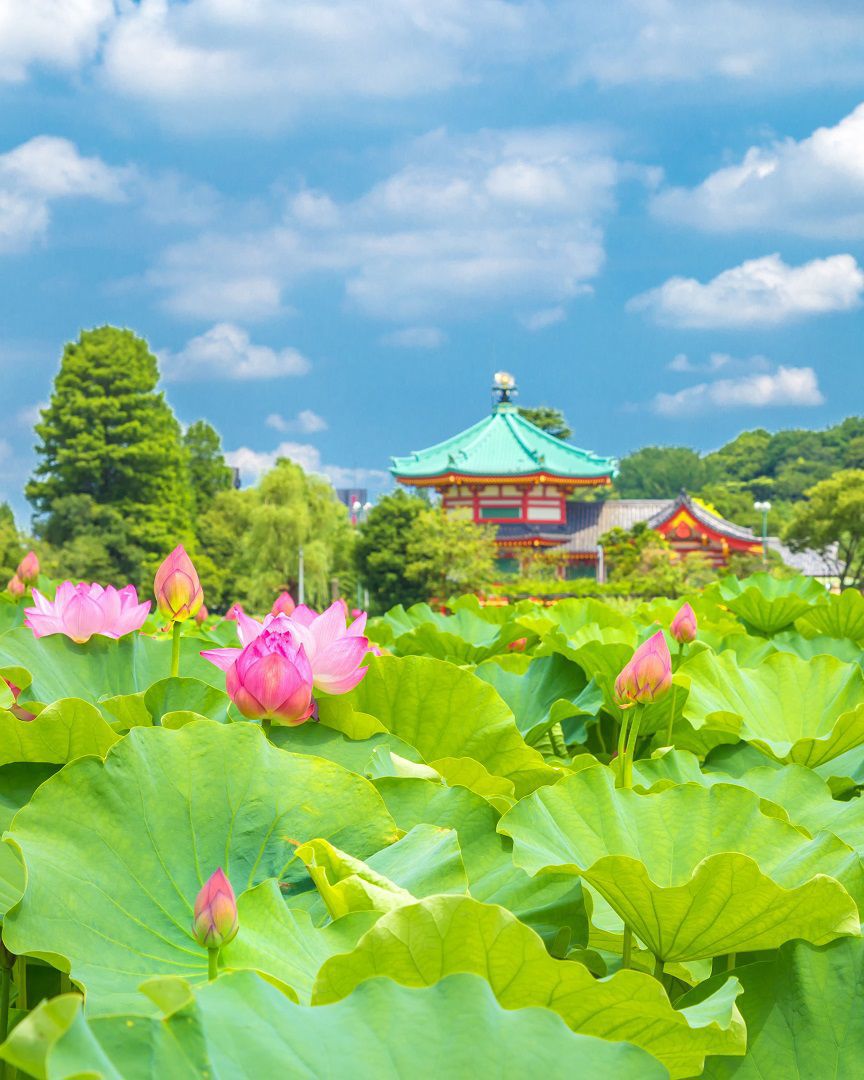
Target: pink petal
x,y
222,658
303,615
247,628
358,626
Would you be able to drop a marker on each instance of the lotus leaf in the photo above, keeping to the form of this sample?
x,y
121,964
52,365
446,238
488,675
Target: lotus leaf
x,y
768,604
422,943
112,892
66,730
694,871
839,617
241,1027
17,784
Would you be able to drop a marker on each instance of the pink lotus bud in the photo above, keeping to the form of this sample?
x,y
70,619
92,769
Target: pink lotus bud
x,y
80,611
202,614
16,586
683,627
648,674
518,645
28,568
283,604
177,588
233,612
271,679
215,918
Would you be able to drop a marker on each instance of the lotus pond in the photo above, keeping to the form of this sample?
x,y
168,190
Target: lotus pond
x,y
480,843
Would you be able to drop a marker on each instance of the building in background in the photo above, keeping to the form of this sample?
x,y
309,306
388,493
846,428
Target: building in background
x,y
506,471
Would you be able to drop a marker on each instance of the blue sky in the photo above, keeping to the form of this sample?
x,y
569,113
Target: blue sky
x,y
334,221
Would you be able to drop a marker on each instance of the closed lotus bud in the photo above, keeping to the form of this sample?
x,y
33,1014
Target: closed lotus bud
x,y
683,627
518,645
233,612
283,605
215,919
177,588
203,614
271,679
28,568
16,586
648,674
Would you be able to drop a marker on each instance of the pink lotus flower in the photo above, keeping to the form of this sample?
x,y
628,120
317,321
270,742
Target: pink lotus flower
x,y
271,679
283,604
28,568
80,611
215,920
177,588
334,650
232,612
16,586
684,625
648,674
203,614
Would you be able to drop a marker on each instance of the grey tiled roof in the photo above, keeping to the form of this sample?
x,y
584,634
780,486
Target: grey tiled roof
x,y
812,563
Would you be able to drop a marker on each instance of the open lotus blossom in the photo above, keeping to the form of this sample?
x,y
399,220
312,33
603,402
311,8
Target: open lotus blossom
x,y
214,921
178,591
334,650
80,611
283,604
16,586
271,679
683,627
648,674
28,568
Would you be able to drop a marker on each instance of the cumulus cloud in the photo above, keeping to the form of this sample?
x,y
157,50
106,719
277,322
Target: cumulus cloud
x,y
787,386
226,351
41,171
466,222
814,187
759,292
415,337
253,464
306,421
545,317
58,34
718,361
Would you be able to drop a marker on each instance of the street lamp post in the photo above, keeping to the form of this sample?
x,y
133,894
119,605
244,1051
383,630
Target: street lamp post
x,y
763,507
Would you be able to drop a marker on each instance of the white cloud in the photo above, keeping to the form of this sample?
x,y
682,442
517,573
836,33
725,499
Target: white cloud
x,y
226,351
253,464
545,317
814,187
467,222
718,362
51,33
306,421
759,292
415,337
787,386
42,170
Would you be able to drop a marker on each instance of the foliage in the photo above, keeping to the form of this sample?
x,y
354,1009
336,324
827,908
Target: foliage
x,y
208,473
446,555
659,472
381,550
12,548
547,419
450,872
834,515
109,438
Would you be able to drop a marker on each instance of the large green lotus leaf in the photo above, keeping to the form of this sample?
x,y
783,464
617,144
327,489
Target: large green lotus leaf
x,y
844,773
694,871
808,647
471,634
63,731
355,754
241,1027
284,944
112,890
768,604
711,616
548,904
100,668
541,691
17,784
427,860
11,613
165,697
803,1012
802,711
444,712
422,943
839,617
571,616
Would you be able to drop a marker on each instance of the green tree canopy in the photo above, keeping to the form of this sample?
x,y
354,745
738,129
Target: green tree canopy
x,y
659,472
208,473
552,420
12,548
447,555
834,514
380,553
109,436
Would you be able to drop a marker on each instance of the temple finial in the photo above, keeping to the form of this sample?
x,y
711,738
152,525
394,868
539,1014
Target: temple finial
x,y
503,388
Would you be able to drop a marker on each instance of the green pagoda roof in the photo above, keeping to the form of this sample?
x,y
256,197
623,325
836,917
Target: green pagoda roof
x,y
504,444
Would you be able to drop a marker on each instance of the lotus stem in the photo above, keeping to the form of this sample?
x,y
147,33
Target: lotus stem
x,y
175,649
676,662
622,743
20,975
627,948
265,727
658,968
561,944
630,747
5,988
212,963
731,960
